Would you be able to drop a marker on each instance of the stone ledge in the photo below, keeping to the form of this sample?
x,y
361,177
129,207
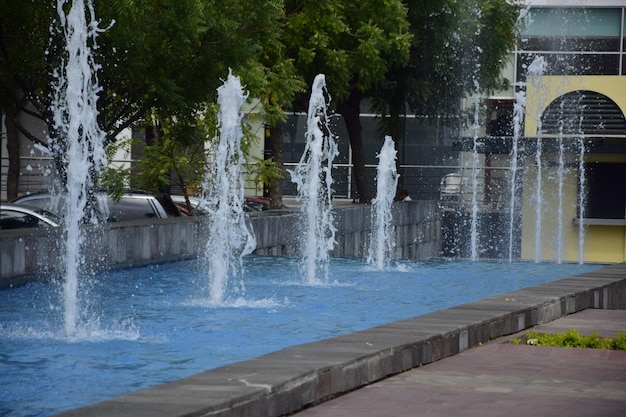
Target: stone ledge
x,y
26,254
288,380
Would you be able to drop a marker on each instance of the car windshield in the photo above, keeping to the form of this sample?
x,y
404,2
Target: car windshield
x,y
19,218
49,215
129,208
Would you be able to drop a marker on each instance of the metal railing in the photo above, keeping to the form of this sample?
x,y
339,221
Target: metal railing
x,y
427,182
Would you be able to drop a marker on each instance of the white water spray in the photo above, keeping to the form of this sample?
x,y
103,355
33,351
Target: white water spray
x,y
582,190
78,140
313,178
581,200
538,193
474,218
560,175
381,237
474,232
229,238
518,115
535,71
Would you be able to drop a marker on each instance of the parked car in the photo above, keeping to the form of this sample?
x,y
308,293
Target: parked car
x,y
249,204
256,204
17,216
180,202
131,206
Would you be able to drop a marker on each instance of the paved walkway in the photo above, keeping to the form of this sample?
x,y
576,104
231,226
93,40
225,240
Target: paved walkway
x,y
505,380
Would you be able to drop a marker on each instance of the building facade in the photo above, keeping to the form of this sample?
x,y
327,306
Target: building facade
x,y
557,140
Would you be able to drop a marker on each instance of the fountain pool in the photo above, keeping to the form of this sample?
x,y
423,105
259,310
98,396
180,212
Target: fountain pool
x,y
154,324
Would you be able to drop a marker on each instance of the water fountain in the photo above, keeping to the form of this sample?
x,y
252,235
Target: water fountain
x,y
518,114
78,140
381,238
535,72
556,155
474,232
229,238
172,336
582,196
168,330
548,176
313,178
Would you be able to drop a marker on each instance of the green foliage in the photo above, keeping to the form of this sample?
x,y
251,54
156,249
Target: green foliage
x,y
114,179
619,342
171,55
265,171
165,54
458,47
179,155
573,339
352,43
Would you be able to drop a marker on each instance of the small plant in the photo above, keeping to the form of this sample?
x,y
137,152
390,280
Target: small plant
x,y
573,339
619,342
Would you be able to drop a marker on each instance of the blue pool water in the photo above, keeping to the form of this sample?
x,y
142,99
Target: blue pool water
x,y
150,325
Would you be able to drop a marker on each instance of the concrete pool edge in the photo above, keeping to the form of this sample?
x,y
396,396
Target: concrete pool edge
x,y
291,379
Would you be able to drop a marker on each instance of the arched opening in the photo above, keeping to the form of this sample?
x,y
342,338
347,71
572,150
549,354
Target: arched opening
x,y
583,113
597,118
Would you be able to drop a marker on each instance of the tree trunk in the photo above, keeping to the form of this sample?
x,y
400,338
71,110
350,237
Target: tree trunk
x,y
13,149
397,129
351,111
276,144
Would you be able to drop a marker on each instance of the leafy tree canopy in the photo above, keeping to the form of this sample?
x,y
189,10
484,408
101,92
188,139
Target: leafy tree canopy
x,y
351,42
458,48
165,54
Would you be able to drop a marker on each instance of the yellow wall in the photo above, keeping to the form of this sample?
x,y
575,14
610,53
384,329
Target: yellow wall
x,y
601,243
541,91
253,118
548,235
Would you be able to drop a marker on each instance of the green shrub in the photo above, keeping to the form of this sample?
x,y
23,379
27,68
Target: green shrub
x,y
619,342
573,339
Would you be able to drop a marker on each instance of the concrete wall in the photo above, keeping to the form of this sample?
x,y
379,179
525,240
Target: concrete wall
x,y
32,254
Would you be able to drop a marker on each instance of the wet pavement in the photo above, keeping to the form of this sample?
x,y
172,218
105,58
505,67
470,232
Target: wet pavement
x,y
504,379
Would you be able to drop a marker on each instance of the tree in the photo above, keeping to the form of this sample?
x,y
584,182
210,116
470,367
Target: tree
x,y
154,54
427,54
275,81
458,48
177,156
353,44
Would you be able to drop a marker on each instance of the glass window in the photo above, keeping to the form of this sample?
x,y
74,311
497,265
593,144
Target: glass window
x,y
585,112
131,209
570,43
606,193
16,220
579,29
571,64
569,22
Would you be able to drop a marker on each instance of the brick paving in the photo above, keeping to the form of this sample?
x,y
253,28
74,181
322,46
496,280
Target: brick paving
x,y
503,379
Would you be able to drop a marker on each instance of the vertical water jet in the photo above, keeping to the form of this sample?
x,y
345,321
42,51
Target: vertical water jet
x,y
313,178
229,238
381,239
535,73
78,141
